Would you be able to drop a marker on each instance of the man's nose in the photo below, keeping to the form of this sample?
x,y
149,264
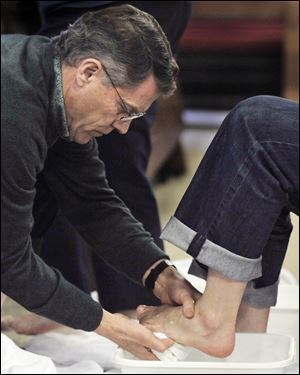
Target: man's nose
x,y
121,126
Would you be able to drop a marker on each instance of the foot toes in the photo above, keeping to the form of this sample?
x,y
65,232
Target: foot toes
x,y
140,310
7,322
144,311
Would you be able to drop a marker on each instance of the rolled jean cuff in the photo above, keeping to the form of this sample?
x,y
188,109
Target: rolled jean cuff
x,y
178,233
230,265
261,298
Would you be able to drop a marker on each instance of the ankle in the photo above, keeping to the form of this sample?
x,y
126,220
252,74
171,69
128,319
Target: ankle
x,y
211,318
218,334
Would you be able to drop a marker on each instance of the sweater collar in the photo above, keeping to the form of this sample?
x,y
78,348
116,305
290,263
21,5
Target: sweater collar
x,y
59,103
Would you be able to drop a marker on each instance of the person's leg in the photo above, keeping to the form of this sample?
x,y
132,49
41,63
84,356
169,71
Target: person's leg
x,y
55,239
63,248
235,211
254,310
252,319
28,324
234,220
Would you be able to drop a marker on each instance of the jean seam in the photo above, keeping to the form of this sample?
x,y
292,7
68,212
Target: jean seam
x,y
279,143
255,147
214,223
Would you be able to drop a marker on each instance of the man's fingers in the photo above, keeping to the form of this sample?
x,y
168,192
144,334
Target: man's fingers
x,y
140,310
148,355
167,343
188,306
160,344
141,352
155,343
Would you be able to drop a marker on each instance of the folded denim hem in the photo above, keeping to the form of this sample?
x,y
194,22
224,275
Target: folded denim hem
x,y
178,233
261,298
230,265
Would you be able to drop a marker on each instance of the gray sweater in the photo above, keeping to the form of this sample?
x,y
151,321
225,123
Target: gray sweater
x,y
34,147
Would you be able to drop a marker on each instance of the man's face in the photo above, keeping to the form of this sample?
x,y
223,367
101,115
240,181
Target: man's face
x,y
95,109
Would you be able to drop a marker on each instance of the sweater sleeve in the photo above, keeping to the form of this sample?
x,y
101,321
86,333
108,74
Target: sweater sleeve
x,y
76,176
25,277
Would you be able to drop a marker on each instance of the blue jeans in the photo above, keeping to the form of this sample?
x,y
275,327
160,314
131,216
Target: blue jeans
x,y
235,214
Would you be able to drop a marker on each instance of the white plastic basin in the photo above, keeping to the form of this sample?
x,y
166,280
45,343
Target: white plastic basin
x,y
253,354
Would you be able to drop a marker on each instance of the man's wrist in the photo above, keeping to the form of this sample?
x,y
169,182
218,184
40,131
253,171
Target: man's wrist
x,y
155,271
147,272
105,327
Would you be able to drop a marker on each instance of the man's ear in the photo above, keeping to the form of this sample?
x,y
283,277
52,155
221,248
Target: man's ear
x,y
86,70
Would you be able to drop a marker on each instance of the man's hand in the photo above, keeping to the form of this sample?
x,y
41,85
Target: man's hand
x,y
131,336
173,289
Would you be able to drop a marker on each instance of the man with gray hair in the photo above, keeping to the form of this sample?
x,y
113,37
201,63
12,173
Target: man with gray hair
x,y
125,158
57,96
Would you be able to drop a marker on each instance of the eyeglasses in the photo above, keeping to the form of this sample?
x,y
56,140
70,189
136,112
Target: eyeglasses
x,y
129,115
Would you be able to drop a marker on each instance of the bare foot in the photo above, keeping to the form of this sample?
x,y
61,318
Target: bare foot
x,y
29,324
129,313
198,332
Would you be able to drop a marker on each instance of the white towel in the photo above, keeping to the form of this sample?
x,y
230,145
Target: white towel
x,y
15,360
176,352
72,352
82,367
67,347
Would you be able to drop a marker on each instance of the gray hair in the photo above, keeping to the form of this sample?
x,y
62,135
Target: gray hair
x,y
129,43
